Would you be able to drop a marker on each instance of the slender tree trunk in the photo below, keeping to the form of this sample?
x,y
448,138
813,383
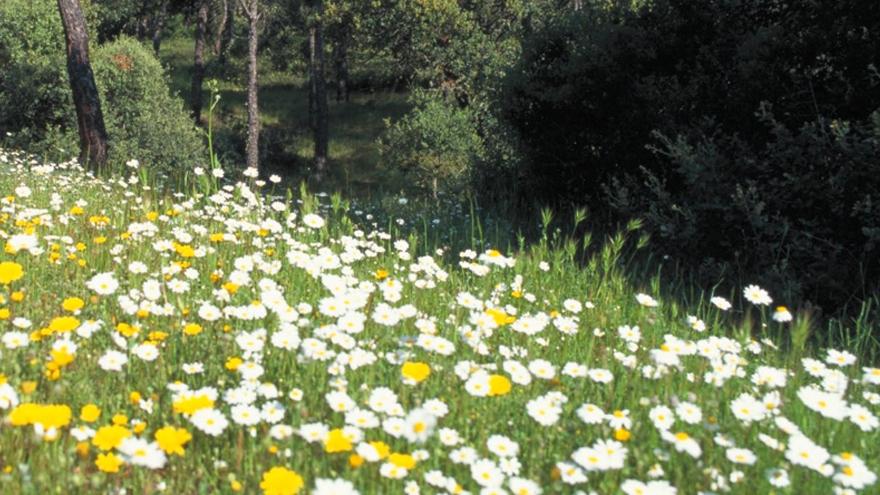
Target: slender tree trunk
x,y
340,63
320,90
228,33
89,119
310,55
220,28
251,10
199,61
158,24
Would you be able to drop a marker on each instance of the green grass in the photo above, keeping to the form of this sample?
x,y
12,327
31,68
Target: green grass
x,y
355,165
540,280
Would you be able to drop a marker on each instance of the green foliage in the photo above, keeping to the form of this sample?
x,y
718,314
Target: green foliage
x,y
34,92
801,212
786,198
144,120
437,142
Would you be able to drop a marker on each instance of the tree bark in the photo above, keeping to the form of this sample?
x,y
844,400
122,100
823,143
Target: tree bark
x,y
310,58
199,61
227,35
158,24
89,118
220,28
316,36
251,10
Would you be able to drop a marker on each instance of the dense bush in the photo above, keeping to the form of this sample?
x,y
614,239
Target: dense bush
x,y
437,142
801,214
740,130
144,120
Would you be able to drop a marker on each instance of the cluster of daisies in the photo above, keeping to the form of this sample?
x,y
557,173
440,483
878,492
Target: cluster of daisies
x,y
274,349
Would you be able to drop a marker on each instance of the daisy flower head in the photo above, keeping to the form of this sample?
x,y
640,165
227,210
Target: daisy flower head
x,y
646,300
720,303
757,296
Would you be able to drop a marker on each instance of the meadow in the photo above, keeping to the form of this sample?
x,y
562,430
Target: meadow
x,y
234,338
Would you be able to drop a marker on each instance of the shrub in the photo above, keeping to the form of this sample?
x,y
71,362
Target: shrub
x,y
786,197
437,142
144,120
801,214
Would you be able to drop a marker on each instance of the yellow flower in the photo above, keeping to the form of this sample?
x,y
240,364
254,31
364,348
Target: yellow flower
x,y
415,371
500,316
89,413
190,405
63,324
405,461
5,313
233,363
498,385
281,481
82,449
17,296
127,330
235,485
172,440
337,441
109,437
73,304
10,271
355,461
184,251
61,357
28,387
108,463
381,274
192,329
134,397
622,434
119,419
48,415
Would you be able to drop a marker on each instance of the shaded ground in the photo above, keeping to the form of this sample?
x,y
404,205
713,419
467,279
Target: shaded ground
x,y
355,164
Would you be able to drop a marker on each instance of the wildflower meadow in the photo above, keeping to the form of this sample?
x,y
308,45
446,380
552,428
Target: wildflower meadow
x,y
226,338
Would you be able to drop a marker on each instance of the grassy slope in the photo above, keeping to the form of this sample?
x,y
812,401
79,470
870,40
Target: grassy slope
x,y
36,466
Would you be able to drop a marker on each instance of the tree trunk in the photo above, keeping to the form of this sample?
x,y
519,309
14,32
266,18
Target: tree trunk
x,y
158,24
228,33
199,62
89,119
310,56
340,63
320,90
220,28
253,134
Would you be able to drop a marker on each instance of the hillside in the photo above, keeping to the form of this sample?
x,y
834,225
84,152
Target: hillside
x,y
219,340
